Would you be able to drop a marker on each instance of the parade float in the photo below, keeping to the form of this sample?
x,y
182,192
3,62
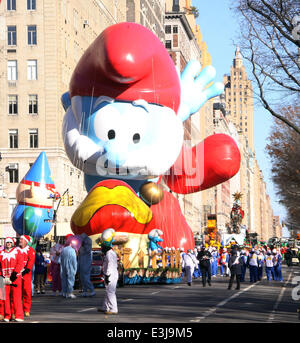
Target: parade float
x,y
35,194
123,128
236,232
212,236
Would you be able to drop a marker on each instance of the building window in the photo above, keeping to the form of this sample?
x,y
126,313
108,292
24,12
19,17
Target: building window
x,y
31,5
13,138
33,138
12,204
168,44
168,29
32,69
175,29
31,35
33,104
11,5
12,70
12,104
11,35
13,170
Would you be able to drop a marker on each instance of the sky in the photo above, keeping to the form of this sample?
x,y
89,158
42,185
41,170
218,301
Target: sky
x,y
220,30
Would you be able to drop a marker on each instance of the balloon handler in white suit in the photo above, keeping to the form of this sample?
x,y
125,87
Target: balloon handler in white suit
x,y
110,271
190,263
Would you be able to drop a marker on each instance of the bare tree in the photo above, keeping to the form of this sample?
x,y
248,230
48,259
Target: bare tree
x,y
284,151
270,41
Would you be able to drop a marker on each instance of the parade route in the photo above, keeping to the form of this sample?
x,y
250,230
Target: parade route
x,y
262,302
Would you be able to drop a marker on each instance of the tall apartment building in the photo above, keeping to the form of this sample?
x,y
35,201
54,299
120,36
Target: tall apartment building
x,y
239,98
239,109
40,44
149,13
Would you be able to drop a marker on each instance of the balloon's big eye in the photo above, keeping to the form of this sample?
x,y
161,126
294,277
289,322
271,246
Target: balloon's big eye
x,y
136,138
111,134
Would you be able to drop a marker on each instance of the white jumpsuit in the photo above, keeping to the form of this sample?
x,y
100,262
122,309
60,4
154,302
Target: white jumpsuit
x,y
190,262
110,267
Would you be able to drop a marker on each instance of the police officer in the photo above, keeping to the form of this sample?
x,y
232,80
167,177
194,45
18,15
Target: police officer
x,y
204,257
235,265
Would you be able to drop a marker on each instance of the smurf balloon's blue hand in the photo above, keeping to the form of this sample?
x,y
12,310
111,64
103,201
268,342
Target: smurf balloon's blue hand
x,y
194,93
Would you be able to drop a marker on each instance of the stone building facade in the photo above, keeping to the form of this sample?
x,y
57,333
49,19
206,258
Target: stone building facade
x,y
40,44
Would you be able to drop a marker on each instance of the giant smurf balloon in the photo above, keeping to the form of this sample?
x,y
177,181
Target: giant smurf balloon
x,y
123,128
34,213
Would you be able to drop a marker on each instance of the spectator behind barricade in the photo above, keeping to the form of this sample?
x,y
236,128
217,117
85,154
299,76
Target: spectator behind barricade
x,y
39,272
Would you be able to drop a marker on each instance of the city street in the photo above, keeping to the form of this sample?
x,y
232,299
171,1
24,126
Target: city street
x,y
262,302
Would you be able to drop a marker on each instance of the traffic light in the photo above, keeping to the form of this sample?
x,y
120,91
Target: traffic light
x,y
70,200
63,200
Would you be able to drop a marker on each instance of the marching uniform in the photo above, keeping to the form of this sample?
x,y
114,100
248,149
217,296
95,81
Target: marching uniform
x,y
244,259
11,264
28,254
253,266
277,266
260,263
214,262
269,266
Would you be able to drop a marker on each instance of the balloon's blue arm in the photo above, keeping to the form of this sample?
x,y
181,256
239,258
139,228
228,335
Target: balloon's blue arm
x,y
194,90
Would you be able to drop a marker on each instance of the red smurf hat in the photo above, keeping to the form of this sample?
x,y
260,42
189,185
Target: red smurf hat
x,y
127,62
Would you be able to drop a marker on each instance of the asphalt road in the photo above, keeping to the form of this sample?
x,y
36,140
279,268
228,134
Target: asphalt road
x,y
262,302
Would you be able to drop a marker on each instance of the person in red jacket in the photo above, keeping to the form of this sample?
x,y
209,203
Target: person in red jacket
x,y
29,259
11,264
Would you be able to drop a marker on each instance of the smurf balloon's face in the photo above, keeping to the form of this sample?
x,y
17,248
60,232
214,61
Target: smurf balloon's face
x,y
124,139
